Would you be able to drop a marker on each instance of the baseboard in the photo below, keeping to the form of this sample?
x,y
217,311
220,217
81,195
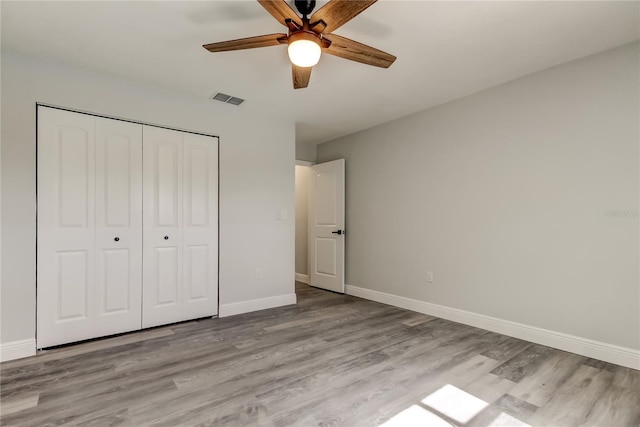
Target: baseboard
x,y
598,350
304,278
17,350
256,304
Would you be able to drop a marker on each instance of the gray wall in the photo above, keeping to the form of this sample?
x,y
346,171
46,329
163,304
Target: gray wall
x,y
305,151
522,199
256,179
303,174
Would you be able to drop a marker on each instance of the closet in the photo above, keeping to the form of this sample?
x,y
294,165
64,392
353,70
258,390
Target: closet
x,y
127,226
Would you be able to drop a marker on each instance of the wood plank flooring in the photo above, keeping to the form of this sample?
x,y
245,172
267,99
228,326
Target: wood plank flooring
x,y
330,360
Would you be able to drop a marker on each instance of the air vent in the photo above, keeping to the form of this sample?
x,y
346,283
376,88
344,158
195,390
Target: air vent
x,y
223,97
235,101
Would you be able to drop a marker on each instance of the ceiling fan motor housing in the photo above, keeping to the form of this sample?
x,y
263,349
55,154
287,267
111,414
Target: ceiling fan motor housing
x,y
305,7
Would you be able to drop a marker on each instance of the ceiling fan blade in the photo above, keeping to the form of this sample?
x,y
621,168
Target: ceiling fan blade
x,y
354,51
280,10
301,76
336,13
248,43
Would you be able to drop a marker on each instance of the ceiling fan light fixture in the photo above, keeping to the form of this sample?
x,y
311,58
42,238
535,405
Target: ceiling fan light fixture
x,y
304,49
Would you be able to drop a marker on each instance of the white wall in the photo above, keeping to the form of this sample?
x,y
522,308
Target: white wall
x,y
522,199
303,173
256,181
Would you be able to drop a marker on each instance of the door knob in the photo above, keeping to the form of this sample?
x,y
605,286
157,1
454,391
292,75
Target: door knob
x,y
117,239
337,232
166,237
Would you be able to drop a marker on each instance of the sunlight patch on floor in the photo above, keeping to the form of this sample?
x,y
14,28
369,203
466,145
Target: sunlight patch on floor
x,y
456,404
506,420
415,416
450,406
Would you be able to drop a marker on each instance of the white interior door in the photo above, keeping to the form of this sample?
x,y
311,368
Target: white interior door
x,y
200,226
89,226
180,248
118,196
162,211
326,226
66,227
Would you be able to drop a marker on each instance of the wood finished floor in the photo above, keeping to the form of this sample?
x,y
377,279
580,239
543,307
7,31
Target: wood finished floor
x,y
330,360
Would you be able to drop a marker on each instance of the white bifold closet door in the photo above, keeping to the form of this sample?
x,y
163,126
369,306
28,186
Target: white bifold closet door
x,y
127,226
180,226
89,253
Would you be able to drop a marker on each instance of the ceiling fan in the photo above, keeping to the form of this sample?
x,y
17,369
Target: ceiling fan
x,y
309,37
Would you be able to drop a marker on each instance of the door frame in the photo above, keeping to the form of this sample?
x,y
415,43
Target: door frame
x,y
303,278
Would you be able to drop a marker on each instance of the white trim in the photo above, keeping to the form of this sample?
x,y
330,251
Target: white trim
x,y
304,278
598,350
256,304
304,163
17,349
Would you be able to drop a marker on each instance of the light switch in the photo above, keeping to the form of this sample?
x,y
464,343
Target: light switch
x,y
284,215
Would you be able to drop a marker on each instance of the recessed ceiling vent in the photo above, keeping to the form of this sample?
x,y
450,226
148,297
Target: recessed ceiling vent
x,y
223,97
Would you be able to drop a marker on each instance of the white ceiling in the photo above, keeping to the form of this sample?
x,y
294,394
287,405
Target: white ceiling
x,y
445,50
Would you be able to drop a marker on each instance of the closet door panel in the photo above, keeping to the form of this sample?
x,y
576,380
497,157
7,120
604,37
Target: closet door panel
x,y
196,272
66,227
118,192
200,226
168,267
162,241
72,286
114,296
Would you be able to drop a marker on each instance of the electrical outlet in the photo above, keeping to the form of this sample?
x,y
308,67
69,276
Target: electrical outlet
x,y
259,273
430,276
